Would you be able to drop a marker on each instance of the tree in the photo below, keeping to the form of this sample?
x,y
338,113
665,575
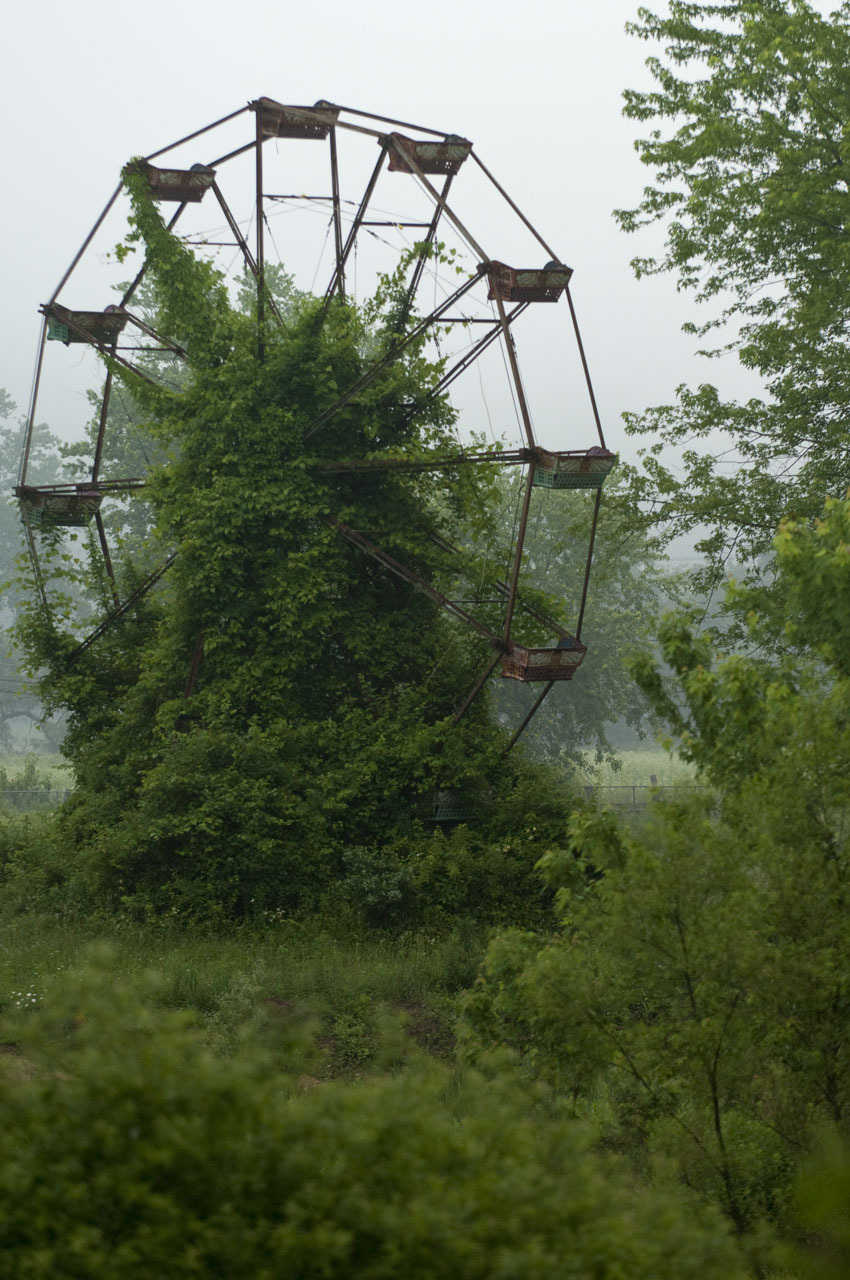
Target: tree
x,y
752,169
700,978
18,693
279,698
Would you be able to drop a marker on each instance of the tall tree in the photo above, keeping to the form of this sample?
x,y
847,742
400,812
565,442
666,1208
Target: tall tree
x,y
751,162
700,976
279,697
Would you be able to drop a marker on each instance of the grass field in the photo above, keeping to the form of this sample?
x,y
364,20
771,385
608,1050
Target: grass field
x,y
637,768
356,998
29,771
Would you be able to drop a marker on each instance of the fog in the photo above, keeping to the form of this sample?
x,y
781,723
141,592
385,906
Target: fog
x,y
538,90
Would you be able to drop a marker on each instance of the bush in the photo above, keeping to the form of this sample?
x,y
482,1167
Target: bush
x,y
130,1150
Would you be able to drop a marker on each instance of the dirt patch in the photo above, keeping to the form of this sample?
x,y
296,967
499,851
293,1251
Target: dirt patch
x,y
429,1031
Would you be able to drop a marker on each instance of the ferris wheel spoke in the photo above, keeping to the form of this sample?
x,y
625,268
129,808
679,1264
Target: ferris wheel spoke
x,y
362,230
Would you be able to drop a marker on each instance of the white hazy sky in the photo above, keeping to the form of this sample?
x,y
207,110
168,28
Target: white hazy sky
x,y
536,86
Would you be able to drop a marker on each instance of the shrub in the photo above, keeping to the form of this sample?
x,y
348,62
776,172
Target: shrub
x,y
130,1150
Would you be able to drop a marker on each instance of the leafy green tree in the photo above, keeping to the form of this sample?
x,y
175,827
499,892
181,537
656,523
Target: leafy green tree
x,y
700,980
280,697
749,152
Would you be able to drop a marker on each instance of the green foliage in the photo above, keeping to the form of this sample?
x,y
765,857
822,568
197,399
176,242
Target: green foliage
x,y
280,700
695,999
129,1149
749,154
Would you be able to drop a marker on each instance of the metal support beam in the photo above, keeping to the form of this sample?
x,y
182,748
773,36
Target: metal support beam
x,y
501,457
141,590
584,366
91,235
532,713
511,350
101,429
553,257
250,260
131,289
36,382
589,562
172,146
107,558
435,195
402,571
476,688
394,352
423,256
261,262
337,216
355,227
517,565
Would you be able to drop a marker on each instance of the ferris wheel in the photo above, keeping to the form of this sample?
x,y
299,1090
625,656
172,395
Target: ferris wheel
x,y
343,193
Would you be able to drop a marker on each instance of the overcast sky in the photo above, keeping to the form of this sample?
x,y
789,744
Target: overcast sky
x,y
536,86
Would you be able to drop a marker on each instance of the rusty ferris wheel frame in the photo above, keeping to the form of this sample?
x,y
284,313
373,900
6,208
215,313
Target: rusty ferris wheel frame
x,y
433,159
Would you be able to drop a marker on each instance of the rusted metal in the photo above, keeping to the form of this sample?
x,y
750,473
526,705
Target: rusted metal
x,y
140,275
538,702
172,146
414,168
185,186
337,216
401,124
475,351
515,373
38,577
107,558
515,207
512,290
394,352
588,564
231,155
141,590
94,327
36,382
521,284
431,157
165,344
242,243
261,260
68,320
70,487
424,252
586,369
402,571
560,663
74,507
501,457
355,226
517,564
101,426
276,120
560,632
477,687
91,235
572,469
